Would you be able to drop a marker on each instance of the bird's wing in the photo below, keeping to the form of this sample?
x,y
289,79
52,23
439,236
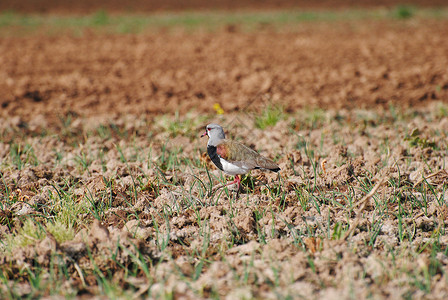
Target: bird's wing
x,y
243,156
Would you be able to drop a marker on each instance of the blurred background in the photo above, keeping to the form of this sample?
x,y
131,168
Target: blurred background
x,y
83,58
86,6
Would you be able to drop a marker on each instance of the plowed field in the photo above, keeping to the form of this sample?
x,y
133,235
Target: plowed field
x,y
106,189
354,65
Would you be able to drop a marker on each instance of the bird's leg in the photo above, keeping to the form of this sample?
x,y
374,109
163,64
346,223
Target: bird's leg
x,y
237,180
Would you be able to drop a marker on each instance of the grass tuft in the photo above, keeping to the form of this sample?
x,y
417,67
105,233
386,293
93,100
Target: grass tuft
x,y
404,12
269,116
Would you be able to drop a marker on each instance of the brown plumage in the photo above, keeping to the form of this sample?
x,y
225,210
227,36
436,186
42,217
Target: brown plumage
x,y
239,154
234,158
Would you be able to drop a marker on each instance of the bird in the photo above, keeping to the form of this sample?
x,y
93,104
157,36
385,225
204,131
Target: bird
x,y
234,158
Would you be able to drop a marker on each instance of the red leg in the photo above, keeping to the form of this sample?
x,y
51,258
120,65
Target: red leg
x,y
237,180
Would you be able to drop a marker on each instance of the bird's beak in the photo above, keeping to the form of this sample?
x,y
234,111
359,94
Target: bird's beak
x,y
204,134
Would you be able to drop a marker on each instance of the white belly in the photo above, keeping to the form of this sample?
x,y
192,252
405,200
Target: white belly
x,y
232,169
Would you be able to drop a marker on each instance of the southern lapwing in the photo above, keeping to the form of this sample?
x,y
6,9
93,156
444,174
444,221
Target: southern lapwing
x,y
234,158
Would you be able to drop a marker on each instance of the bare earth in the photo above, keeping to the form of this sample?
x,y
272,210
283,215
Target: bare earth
x,y
117,6
105,185
355,65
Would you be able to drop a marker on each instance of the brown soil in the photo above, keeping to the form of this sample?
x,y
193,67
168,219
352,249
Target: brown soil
x,y
86,6
327,65
283,233
282,237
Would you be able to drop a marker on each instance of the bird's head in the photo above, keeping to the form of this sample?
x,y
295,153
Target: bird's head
x,y
214,132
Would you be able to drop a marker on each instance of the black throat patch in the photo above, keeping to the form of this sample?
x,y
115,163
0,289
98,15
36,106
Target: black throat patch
x,y
211,150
